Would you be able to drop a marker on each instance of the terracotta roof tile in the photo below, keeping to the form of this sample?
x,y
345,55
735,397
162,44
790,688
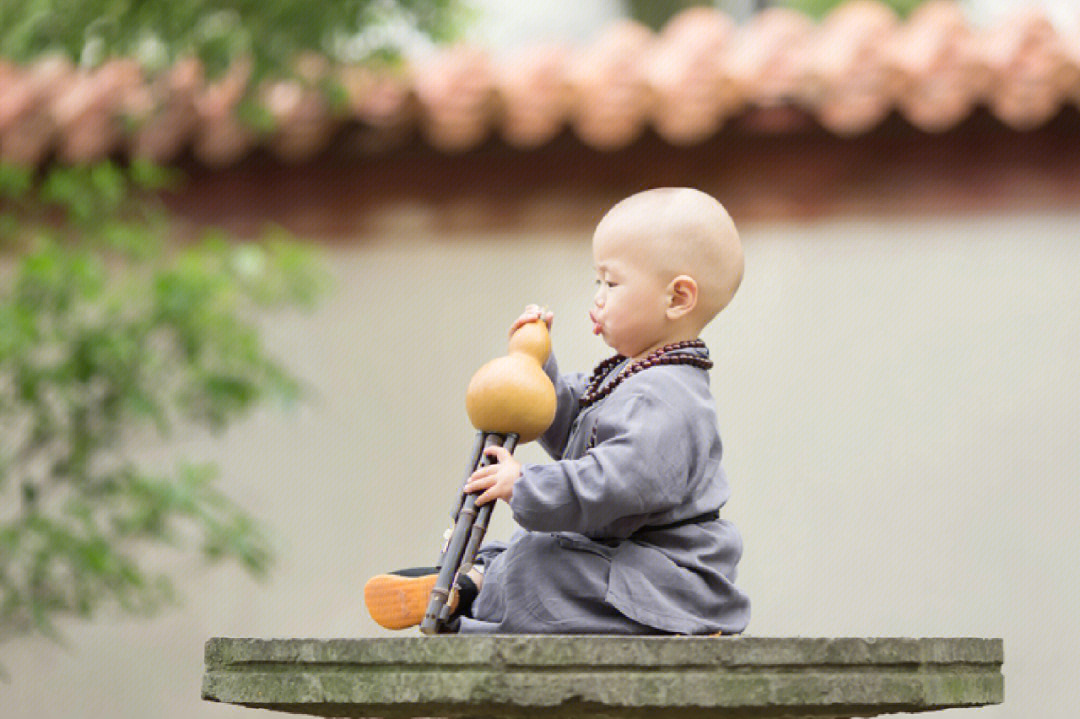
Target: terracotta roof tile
x,y
535,98
220,137
768,59
1070,46
162,112
456,90
381,103
849,67
690,96
776,73
27,127
1029,67
610,98
938,82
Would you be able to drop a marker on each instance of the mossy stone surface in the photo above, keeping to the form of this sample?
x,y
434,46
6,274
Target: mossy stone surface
x,y
581,676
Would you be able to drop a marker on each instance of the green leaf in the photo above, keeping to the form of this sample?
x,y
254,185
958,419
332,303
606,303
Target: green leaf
x,y
9,228
110,328
109,185
820,8
335,94
256,116
147,175
15,181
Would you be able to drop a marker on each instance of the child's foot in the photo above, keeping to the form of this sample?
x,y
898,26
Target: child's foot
x,y
398,600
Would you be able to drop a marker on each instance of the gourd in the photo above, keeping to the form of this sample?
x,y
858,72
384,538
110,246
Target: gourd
x,y
512,394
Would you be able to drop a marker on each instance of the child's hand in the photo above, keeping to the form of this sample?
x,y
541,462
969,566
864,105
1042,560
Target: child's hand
x,y
497,480
532,313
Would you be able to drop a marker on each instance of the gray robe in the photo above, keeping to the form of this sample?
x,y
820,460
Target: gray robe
x,y
586,560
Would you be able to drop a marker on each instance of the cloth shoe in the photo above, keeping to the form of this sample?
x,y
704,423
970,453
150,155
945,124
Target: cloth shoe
x,y
398,600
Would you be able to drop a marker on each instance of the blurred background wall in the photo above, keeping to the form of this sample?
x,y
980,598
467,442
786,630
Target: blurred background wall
x,y
896,383
898,403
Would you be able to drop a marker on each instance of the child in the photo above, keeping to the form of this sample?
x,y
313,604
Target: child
x,y
622,534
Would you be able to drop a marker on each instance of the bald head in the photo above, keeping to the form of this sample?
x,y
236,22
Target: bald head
x,y
680,231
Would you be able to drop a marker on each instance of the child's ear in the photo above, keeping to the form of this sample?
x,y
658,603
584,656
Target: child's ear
x,y
682,297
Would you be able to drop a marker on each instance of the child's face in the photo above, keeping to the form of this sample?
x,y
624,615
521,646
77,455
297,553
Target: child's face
x,y
629,309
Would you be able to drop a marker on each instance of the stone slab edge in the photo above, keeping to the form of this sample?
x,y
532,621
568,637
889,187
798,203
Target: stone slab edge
x,y
604,676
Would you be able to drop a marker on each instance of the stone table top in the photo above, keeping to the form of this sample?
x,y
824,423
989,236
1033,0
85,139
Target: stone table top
x,y
593,676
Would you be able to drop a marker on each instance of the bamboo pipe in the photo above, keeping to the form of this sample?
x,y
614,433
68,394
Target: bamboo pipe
x,y
509,400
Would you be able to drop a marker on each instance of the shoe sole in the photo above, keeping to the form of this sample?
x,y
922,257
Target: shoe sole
x,y
397,602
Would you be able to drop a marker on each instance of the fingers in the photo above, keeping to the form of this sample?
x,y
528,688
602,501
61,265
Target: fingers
x,y
498,488
496,480
477,483
489,485
499,453
532,313
482,473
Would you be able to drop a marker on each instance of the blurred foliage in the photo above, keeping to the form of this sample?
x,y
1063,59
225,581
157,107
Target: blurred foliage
x,y
112,341
271,33
818,9
656,13
115,338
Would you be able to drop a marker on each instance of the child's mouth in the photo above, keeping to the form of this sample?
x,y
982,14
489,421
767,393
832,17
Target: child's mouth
x,y
597,328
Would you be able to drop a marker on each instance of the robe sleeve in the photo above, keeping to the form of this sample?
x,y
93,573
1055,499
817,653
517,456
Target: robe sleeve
x,y
639,466
568,389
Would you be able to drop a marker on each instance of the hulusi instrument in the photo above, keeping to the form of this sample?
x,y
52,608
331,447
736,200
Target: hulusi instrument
x,y
510,401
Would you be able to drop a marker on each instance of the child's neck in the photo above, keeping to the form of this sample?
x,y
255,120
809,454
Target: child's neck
x,y
672,339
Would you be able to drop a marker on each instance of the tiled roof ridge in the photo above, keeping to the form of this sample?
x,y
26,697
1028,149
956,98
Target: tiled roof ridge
x,y
849,71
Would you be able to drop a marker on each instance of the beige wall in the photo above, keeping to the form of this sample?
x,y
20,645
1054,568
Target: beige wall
x,y
899,404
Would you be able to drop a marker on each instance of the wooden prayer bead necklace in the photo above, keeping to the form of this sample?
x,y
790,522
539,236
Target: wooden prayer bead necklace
x,y
595,390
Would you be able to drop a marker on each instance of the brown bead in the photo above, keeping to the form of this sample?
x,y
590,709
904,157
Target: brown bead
x,y
594,392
